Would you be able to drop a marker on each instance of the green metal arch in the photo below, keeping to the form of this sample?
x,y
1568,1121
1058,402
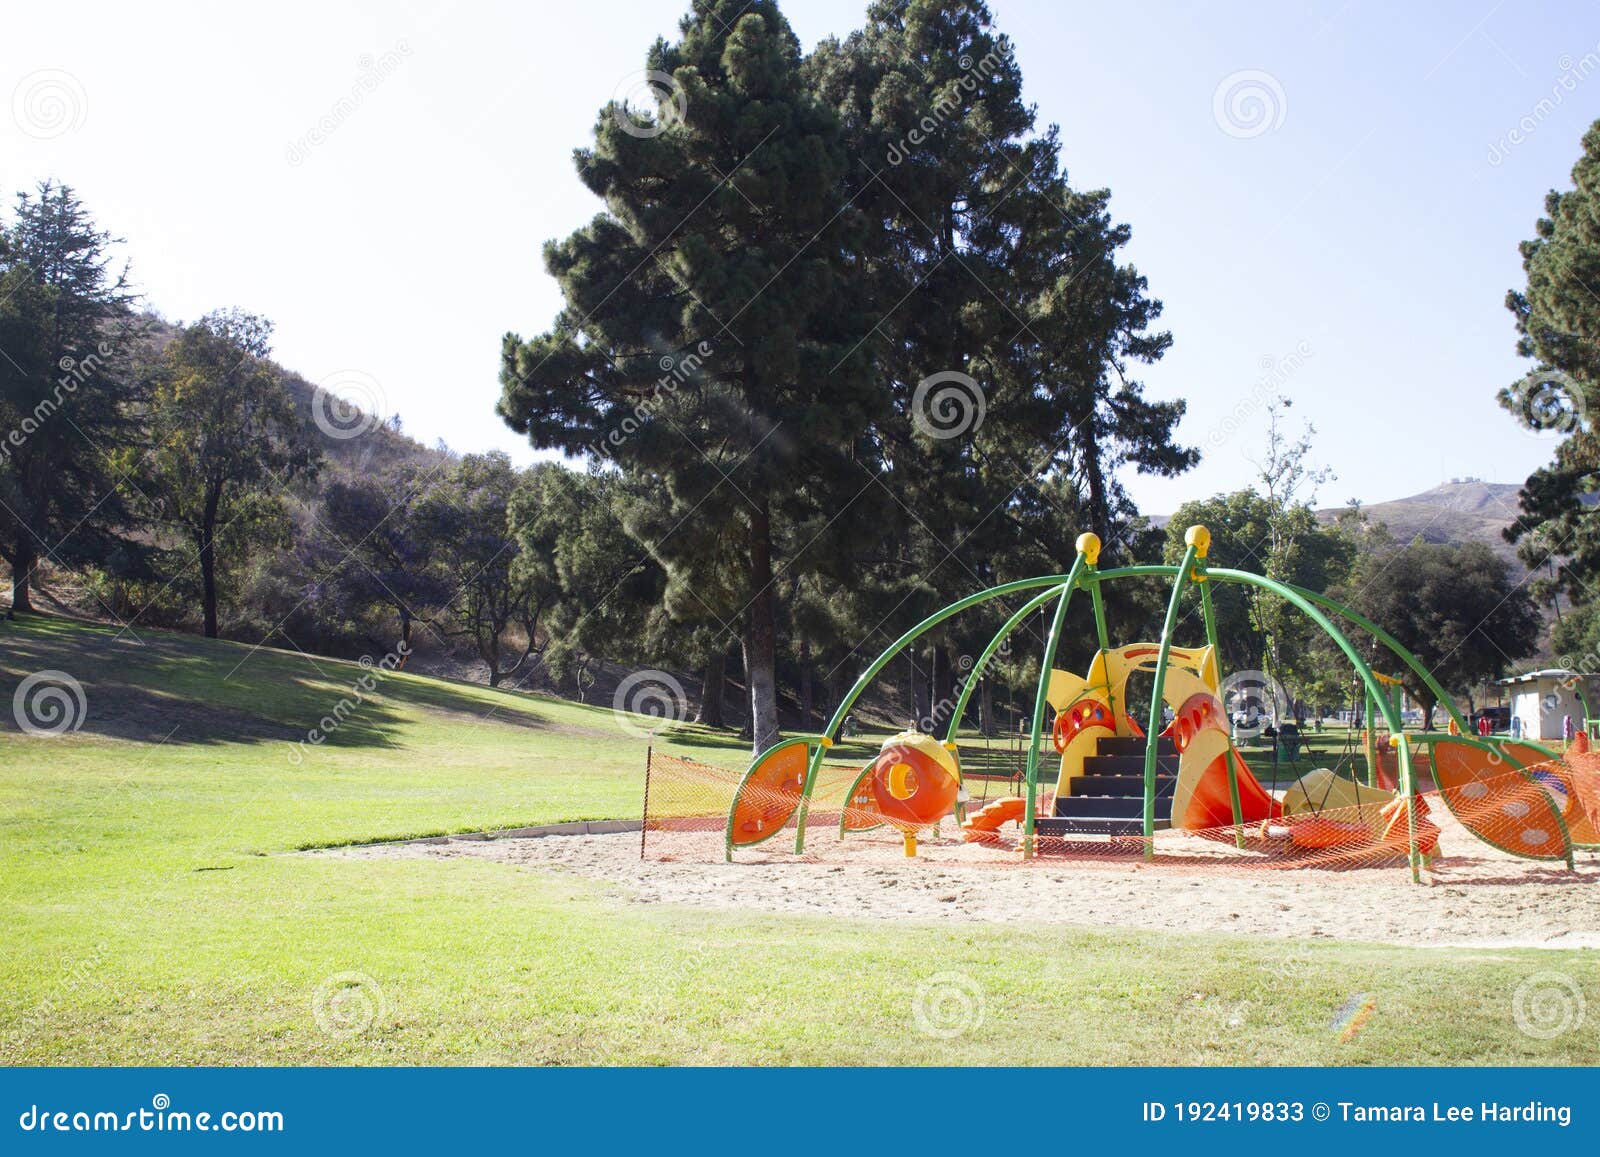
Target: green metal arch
x,y
865,678
1416,665
976,673
1046,664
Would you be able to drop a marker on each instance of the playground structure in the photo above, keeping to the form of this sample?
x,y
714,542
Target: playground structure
x,y
1121,784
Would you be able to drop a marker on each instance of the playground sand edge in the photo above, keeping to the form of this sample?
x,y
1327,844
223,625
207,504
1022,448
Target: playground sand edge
x,y
1474,898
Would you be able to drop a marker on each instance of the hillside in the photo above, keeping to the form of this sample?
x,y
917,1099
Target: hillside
x,y
1466,510
337,418
1470,510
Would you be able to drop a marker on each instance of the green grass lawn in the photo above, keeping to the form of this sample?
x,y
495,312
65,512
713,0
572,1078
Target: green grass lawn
x,y
150,918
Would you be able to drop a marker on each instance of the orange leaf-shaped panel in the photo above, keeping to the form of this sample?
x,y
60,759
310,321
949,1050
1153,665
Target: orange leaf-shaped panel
x,y
769,794
1497,802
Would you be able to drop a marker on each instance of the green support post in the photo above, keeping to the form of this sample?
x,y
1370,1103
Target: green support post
x,y
1199,540
1102,636
1209,613
1369,713
1408,787
1041,697
978,668
1310,610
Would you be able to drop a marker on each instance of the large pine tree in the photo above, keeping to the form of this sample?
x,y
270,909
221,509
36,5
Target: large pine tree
x,y
66,391
1558,322
1009,326
715,317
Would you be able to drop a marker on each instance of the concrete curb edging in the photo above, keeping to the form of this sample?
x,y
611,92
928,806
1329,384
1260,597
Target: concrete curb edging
x,y
575,828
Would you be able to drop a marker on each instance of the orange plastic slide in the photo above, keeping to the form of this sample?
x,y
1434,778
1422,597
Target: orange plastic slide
x,y
983,825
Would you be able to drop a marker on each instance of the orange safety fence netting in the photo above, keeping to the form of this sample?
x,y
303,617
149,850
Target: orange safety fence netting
x,y
1496,810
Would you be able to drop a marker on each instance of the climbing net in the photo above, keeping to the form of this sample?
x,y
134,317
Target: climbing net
x,y
1490,812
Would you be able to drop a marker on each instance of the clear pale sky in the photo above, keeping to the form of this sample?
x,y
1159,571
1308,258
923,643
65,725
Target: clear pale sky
x,y
1367,233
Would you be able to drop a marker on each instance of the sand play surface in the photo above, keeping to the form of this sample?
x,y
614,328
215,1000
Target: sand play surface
x,y
1474,897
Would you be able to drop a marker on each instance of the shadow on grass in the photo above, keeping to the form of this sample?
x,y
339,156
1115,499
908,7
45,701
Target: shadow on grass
x,y
161,687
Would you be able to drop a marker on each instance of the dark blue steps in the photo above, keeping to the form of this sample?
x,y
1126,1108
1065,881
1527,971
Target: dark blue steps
x,y
1108,798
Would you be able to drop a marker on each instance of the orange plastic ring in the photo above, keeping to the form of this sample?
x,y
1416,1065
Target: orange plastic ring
x,y
1058,733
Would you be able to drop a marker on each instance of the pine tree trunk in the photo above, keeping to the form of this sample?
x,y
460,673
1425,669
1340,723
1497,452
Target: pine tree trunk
x,y
760,637
711,684
1094,473
22,576
405,636
985,708
944,688
919,695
